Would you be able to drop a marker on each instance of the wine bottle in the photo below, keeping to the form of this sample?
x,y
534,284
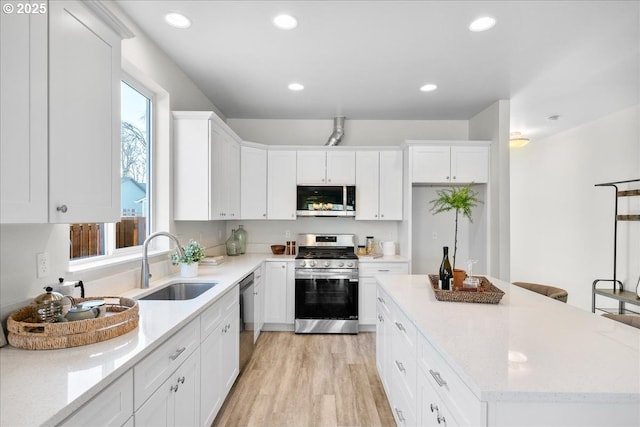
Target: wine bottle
x,y
446,273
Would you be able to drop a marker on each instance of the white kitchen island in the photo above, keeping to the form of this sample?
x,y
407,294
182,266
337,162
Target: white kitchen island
x,y
527,361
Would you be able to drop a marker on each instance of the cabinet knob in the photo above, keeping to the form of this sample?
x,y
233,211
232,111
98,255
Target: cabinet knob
x,y
62,209
454,177
447,178
264,215
381,215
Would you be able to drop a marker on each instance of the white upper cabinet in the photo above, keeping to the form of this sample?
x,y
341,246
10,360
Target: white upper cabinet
x,y
324,167
253,183
23,114
463,163
379,185
281,184
63,168
206,167
84,116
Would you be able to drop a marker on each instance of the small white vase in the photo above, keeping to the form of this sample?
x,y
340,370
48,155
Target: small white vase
x,y
188,270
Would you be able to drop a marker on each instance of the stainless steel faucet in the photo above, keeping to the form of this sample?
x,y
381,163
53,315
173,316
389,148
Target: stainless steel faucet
x,y
144,282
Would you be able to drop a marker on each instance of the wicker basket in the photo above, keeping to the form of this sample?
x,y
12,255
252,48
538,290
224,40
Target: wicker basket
x,y
121,317
487,293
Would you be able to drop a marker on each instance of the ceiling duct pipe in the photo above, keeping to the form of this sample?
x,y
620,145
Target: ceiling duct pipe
x,y
338,131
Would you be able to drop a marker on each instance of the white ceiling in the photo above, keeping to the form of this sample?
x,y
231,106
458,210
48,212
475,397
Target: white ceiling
x,y
367,59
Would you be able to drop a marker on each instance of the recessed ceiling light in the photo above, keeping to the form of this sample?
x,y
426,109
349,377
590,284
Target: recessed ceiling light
x,y
177,20
285,22
482,24
296,87
430,87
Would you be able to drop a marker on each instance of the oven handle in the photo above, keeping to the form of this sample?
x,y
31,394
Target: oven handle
x,y
312,275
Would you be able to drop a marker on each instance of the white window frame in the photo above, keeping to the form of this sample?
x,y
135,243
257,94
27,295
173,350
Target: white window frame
x,y
112,254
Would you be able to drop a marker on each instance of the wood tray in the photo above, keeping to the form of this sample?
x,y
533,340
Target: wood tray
x,y
487,293
120,318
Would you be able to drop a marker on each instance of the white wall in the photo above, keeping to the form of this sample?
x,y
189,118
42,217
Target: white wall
x,y
561,225
356,132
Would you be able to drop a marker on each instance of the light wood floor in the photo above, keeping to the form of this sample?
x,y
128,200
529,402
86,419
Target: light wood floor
x,y
308,380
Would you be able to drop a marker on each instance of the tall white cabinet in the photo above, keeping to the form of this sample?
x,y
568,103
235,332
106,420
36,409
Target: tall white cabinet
x,y
379,185
60,142
206,168
253,182
281,184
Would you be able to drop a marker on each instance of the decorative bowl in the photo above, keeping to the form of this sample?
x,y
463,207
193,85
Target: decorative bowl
x,y
277,249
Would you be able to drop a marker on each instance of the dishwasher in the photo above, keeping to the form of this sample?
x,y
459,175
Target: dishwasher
x,y
247,320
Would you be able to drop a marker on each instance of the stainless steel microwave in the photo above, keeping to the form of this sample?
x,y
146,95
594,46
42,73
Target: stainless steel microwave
x,y
326,200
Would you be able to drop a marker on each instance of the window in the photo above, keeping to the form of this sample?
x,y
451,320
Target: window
x,y
91,240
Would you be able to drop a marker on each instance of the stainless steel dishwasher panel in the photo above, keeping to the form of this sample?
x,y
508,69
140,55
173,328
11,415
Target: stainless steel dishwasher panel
x,y
247,319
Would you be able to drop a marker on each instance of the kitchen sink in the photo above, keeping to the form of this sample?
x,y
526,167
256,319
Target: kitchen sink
x,y
180,291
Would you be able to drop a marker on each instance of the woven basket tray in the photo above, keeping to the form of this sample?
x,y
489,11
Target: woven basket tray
x,y
487,293
120,318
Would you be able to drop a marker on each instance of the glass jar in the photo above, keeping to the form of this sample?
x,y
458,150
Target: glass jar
x,y
370,245
232,244
241,237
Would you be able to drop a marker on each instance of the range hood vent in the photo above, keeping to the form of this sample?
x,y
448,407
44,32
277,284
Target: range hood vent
x,y
338,131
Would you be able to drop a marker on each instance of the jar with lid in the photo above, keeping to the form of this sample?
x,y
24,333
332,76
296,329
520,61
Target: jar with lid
x,y
370,245
51,306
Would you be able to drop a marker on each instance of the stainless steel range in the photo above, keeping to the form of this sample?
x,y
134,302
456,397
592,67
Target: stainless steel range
x,y
326,289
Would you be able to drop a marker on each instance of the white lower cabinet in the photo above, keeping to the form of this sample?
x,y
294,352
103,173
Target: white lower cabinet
x,y
219,354
111,407
432,411
279,294
176,402
367,287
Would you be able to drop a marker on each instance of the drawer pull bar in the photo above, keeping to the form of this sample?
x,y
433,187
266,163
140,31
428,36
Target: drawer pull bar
x,y
442,420
400,415
383,270
401,367
400,326
382,300
436,376
177,354
434,408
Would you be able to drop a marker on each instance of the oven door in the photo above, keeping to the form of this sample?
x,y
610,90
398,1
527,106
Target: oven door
x,y
326,294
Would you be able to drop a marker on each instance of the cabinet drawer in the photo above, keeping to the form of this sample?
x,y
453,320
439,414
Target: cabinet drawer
x,y
212,316
112,407
368,269
154,369
463,405
383,301
403,353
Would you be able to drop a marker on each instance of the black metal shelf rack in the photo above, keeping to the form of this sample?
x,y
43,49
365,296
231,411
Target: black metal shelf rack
x,y
616,291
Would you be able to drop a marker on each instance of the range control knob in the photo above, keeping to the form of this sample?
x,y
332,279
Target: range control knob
x,y
312,263
350,264
327,263
341,264
303,263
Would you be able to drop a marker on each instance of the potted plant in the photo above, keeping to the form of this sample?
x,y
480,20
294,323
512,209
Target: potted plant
x,y
193,253
462,200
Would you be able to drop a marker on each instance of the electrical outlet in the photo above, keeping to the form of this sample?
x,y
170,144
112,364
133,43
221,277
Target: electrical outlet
x,y
42,265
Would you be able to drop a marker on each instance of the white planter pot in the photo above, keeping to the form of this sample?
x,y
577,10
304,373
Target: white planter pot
x,y
189,270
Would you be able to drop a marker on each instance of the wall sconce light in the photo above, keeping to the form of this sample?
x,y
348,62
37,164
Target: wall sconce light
x,y
517,140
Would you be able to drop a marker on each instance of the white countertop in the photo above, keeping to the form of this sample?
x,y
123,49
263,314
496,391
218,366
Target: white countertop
x,y
44,387
558,352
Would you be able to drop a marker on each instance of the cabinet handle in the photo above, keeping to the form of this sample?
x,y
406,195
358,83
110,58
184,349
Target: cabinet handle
x,y
380,319
401,367
400,415
62,209
436,376
181,380
383,270
400,326
434,408
174,388
177,354
283,266
382,301
442,420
